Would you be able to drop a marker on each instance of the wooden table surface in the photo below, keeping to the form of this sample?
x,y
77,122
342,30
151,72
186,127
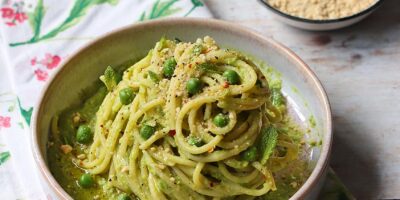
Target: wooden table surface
x,y
359,67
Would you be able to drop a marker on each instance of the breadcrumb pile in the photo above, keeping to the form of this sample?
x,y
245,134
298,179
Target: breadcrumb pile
x,y
321,9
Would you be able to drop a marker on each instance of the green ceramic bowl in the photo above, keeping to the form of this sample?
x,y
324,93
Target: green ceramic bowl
x,y
305,94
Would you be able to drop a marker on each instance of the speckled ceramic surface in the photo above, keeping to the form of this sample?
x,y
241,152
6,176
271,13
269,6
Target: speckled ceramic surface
x,y
305,95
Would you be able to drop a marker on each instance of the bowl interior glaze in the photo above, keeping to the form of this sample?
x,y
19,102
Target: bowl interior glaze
x,y
304,92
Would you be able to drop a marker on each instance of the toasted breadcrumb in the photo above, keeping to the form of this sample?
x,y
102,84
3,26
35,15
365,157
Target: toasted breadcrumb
x,y
321,9
65,148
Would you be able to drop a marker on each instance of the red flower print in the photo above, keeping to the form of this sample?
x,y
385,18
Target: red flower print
x,y
14,14
41,75
20,17
51,61
5,122
42,66
10,23
7,13
33,61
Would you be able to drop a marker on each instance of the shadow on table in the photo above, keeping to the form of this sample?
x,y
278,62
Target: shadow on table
x,y
377,30
385,17
357,169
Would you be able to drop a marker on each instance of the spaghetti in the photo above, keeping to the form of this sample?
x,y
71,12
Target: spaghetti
x,y
216,138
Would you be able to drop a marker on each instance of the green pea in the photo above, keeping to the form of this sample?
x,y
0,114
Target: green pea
x,y
250,154
124,197
193,86
169,67
221,120
195,141
231,76
126,95
86,181
84,134
147,131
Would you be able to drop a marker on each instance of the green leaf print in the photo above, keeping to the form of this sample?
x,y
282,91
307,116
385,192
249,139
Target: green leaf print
x,y
196,3
112,2
21,125
11,108
160,9
4,156
78,10
25,113
35,18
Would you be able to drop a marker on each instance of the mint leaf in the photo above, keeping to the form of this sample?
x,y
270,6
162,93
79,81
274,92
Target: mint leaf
x,y
110,78
207,67
154,77
267,143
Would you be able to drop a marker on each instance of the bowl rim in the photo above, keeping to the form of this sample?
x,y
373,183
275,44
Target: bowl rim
x,y
322,21
323,160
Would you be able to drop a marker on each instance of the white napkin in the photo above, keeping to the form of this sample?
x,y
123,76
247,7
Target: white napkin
x,y
35,37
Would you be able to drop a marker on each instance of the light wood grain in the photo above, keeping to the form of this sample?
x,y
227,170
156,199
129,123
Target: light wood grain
x,y
360,69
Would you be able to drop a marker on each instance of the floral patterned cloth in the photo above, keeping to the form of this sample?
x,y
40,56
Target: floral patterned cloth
x,y
36,36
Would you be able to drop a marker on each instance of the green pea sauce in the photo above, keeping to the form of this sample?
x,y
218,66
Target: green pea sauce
x,y
67,173
61,165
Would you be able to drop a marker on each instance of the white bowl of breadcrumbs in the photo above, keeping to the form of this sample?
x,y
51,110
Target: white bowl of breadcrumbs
x,y
321,15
